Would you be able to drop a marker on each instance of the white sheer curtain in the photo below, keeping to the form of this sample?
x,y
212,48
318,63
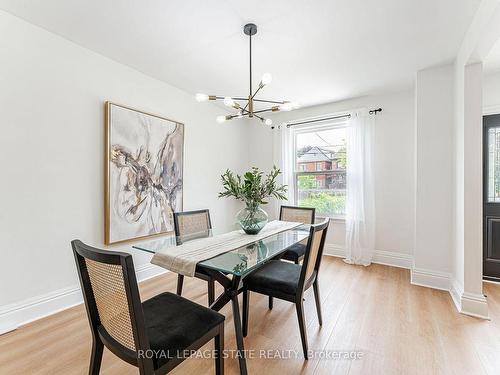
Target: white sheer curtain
x,y
360,202
283,158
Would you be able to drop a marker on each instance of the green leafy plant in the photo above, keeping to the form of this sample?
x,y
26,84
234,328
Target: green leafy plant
x,y
253,187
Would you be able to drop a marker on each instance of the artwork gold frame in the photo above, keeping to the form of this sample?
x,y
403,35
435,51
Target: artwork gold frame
x,y
168,138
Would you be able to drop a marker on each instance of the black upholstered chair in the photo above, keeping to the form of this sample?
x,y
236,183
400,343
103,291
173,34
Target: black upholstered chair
x,y
194,224
289,281
303,215
152,335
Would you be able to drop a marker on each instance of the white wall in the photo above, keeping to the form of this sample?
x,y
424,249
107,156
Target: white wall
x,y
434,176
491,93
394,167
52,95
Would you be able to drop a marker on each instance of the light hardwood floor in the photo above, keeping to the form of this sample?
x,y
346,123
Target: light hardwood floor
x,y
398,327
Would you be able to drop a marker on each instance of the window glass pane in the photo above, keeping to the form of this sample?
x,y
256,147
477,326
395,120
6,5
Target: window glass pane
x,y
321,170
494,164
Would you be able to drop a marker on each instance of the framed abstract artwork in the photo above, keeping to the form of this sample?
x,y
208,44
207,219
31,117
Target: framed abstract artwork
x,y
143,173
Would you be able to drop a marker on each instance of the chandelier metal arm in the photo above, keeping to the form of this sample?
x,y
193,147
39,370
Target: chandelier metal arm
x,y
269,101
245,112
216,97
272,109
246,105
230,117
256,91
260,118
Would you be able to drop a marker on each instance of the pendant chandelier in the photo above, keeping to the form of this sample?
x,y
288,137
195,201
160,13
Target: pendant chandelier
x,y
244,107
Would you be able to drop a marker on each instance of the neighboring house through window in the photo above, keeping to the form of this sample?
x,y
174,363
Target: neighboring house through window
x,y
320,168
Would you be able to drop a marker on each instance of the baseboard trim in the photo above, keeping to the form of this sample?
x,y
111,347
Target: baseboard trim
x,y
31,309
387,258
7,326
18,314
430,279
456,291
475,305
148,271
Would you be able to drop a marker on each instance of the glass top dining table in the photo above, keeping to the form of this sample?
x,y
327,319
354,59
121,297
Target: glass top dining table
x,y
240,261
229,268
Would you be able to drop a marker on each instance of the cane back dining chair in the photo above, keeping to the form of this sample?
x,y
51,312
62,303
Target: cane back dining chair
x,y
194,224
289,281
303,215
152,335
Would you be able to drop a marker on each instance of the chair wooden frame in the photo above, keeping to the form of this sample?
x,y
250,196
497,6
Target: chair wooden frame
x,y
303,285
101,338
200,275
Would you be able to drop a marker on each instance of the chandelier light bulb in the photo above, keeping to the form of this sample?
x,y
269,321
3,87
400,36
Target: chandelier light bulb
x,y
268,121
220,119
228,101
266,79
201,97
287,106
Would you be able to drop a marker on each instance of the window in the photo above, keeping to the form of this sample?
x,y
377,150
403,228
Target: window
x,y
320,168
494,164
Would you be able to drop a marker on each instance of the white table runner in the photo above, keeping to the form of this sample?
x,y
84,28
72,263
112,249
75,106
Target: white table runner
x,y
182,259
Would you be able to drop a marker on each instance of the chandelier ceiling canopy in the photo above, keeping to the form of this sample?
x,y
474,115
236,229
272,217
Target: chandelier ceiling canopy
x,y
244,106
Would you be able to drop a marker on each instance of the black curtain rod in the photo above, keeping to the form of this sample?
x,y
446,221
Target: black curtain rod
x,y
317,120
371,112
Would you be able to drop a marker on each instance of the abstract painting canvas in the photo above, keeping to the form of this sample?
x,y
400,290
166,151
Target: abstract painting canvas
x,y
144,165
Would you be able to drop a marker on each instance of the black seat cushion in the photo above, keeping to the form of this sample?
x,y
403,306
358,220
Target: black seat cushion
x,y
295,252
275,276
173,323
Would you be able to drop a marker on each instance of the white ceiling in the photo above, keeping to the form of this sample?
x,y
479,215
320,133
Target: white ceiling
x,y
317,51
